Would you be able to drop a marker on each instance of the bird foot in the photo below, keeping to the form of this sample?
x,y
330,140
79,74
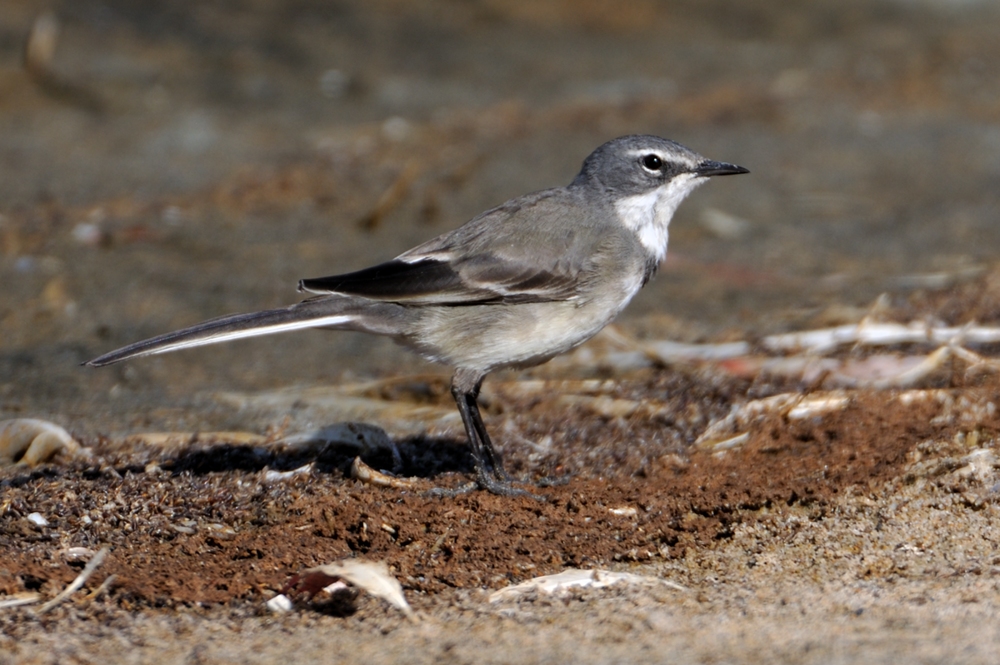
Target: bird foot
x,y
504,486
492,484
554,481
449,493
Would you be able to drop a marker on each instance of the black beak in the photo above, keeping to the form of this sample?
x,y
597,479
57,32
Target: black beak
x,y
709,168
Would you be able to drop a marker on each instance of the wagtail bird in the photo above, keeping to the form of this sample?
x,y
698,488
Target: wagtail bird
x,y
513,287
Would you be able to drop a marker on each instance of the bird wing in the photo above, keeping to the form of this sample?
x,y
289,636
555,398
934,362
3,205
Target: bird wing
x,y
513,253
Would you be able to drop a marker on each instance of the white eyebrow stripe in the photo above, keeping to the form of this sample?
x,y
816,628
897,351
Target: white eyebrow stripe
x,y
643,153
665,156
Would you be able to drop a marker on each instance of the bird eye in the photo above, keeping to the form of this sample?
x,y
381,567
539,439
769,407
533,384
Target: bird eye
x,y
652,162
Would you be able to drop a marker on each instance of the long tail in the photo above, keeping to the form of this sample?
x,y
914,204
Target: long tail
x,y
313,313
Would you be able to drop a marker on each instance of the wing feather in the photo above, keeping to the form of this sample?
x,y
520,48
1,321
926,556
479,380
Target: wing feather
x,y
477,280
518,252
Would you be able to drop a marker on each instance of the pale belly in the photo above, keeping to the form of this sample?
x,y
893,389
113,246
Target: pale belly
x,y
488,337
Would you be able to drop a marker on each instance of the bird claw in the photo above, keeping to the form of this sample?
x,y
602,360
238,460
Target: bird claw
x,y
554,481
502,484
492,484
447,493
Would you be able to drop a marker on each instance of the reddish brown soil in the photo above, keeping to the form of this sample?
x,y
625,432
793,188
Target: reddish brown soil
x,y
240,536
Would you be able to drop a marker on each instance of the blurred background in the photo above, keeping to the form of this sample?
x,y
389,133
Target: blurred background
x,y
163,162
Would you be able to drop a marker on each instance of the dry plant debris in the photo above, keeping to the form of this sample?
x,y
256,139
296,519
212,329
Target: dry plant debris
x,y
371,576
31,441
576,578
805,355
77,583
368,475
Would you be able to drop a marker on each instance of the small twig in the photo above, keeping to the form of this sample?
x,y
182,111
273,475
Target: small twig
x,y
101,590
368,475
19,600
880,334
912,376
75,585
975,361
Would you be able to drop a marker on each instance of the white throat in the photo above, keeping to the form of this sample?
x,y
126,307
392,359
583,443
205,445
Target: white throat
x,y
648,215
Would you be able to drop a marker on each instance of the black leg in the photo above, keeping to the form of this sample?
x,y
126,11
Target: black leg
x,y
491,458
462,399
490,474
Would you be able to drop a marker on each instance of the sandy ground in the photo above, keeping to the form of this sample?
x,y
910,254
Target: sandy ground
x,y
171,164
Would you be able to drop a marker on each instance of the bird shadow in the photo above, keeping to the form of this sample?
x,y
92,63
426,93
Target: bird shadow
x,y
414,456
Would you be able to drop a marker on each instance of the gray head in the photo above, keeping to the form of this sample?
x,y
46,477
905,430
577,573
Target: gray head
x,y
636,164
644,179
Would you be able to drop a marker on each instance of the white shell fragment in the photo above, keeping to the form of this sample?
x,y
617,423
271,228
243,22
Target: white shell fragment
x,y
280,604
624,511
31,441
576,578
371,576
37,519
79,553
272,476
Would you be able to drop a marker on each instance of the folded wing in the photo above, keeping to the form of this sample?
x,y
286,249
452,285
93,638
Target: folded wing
x,y
506,255
473,280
